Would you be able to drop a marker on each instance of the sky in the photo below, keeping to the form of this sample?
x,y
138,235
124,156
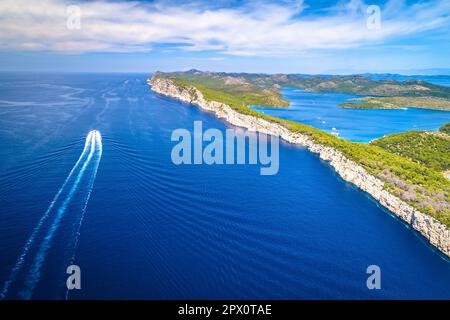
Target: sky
x,y
282,36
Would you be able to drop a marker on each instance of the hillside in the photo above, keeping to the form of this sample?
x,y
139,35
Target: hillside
x,y
263,89
445,128
426,147
431,103
235,89
418,183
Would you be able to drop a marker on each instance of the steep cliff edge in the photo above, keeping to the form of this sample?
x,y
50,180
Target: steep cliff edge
x,y
436,232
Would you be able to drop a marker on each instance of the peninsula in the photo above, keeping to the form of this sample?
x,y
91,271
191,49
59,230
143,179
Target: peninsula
x,y
410,186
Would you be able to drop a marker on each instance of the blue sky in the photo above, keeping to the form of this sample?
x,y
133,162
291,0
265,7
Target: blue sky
x,y
347,36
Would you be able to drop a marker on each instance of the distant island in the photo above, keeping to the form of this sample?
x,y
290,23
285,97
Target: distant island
x,y
404,172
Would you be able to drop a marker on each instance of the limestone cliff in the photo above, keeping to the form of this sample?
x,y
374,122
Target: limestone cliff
x,y
437,233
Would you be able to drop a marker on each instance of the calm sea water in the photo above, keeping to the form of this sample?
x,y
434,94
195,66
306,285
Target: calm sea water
x,y
152,229
321,110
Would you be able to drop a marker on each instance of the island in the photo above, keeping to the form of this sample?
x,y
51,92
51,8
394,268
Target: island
x,y
397,171
432,103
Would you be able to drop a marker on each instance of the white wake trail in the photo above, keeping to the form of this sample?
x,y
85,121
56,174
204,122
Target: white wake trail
x,y
19,263
35,271
99,145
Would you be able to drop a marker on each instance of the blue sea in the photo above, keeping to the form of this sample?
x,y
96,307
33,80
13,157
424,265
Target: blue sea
x,y
140,227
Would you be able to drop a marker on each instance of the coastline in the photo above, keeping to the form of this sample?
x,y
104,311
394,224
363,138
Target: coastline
x,y
396,103
436,232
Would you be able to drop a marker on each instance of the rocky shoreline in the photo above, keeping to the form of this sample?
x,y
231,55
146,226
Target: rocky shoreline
x,y
437,233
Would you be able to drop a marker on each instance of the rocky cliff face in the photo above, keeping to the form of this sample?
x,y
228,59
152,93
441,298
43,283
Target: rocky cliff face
x,y
437,233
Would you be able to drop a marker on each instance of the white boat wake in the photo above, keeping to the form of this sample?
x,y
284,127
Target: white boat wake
x,y
80,180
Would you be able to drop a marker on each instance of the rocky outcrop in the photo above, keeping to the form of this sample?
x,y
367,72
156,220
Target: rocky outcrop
x,y
437,233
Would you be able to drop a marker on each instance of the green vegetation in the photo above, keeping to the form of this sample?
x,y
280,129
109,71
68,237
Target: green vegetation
x,y
263,89
428,148
352,84
378,88
409,174
445,128
233,100
368,103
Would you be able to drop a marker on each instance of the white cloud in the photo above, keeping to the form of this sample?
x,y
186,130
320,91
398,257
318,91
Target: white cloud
x,y
266,29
